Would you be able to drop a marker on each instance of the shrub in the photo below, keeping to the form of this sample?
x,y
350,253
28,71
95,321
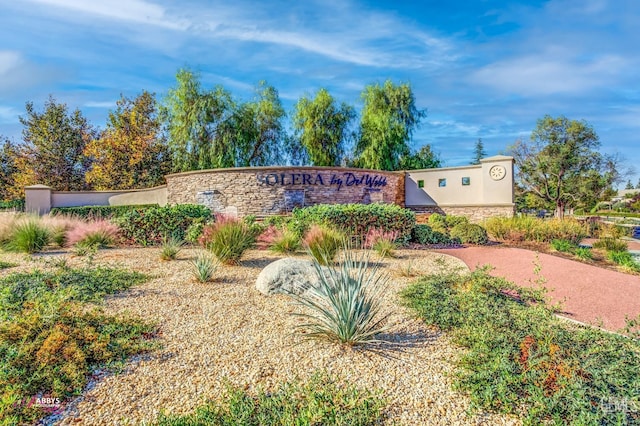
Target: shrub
x,y
610,244
228,238
28,236
520,358
100,232
170,248
323,243
150,226
345,306
469,233
423,234
356,219
285,242
322,401
204,267
194,231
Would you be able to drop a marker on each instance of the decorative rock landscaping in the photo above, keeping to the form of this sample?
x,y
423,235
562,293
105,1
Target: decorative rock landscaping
x,y
227,332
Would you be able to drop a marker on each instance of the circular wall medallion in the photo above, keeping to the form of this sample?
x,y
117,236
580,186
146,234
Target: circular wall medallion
x,y
497,172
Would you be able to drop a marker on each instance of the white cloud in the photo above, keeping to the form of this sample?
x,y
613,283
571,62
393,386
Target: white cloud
x,y
17,73
138,11
541,75
100,104
8,114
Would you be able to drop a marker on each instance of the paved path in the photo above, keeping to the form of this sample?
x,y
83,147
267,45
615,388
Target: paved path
x,y
590,294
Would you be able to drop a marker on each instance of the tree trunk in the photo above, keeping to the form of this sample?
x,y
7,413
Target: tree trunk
x,y
559,213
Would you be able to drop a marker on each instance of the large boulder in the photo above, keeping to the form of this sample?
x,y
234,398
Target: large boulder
x,y
287,276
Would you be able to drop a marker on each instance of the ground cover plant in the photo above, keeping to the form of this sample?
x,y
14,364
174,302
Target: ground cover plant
x,y
50,341
522,359
321,401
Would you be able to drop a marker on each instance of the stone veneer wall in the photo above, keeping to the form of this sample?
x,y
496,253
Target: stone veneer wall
x,y
476,214
261,191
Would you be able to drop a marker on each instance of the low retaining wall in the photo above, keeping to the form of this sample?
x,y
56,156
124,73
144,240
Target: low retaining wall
x,y
41,199
475,213
263,191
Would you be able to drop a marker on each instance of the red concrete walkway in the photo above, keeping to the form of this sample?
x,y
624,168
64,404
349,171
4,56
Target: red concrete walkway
x,y
590,294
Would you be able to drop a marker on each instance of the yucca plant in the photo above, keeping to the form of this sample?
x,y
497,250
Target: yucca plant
x,y
345,306
170,248
28,236
323,243
204,267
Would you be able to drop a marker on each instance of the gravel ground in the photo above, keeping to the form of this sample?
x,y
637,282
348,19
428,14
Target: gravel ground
x,y
226,332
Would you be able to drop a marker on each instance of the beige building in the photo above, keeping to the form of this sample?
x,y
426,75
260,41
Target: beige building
x,y
475,191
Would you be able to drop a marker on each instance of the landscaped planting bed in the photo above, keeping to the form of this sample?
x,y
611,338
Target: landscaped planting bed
x,y
227,333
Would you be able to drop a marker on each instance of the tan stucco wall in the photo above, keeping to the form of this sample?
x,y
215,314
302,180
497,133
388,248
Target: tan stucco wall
x,y
483,197
261,191
156,195
41,199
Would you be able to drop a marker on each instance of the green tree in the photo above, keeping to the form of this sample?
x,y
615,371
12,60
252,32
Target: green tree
x,y
388,119
322,126
561,165
53,150
629,185
638,184
478,152
8,154
424,158
191,116
253,135
131,152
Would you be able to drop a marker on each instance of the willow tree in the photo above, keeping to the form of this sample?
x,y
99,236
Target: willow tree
x,y
389,118
322,126
561,165
253,134
191,116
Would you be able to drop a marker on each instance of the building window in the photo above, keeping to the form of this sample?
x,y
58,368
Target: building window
x,y
466,181
442,183
420,184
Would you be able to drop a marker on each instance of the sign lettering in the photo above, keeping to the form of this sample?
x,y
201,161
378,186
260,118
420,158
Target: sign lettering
x,y
338,180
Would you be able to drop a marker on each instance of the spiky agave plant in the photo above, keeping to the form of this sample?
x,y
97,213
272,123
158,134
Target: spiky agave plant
x,y
346,305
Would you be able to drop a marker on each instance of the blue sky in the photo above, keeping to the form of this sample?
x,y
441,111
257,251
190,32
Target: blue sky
x,y
482,69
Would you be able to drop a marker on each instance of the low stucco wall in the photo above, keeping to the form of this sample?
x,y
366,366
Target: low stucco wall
x,y
264,191
41,199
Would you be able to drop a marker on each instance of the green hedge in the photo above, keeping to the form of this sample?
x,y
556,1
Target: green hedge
x,y
12,205
357,219
104,212
150,226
